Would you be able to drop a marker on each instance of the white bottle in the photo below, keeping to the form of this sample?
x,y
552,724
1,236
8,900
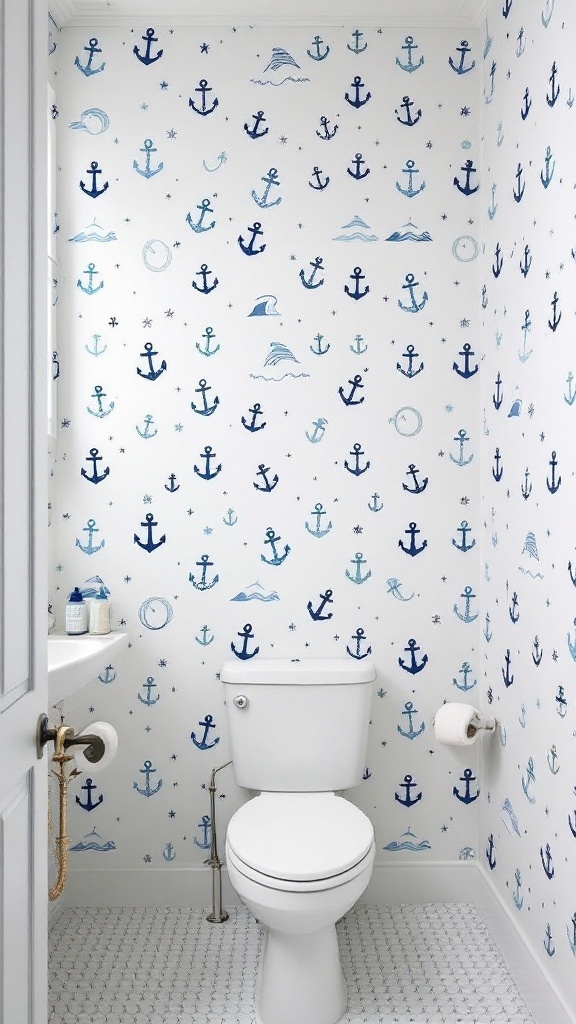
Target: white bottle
x,y
76,614
100,614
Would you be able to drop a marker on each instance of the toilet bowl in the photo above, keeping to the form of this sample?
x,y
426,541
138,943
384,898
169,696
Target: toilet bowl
x,y
299,862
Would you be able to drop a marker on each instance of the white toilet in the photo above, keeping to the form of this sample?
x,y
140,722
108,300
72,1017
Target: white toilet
x,y
298,855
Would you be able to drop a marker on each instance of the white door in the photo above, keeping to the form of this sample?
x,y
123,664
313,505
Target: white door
x,y
23,510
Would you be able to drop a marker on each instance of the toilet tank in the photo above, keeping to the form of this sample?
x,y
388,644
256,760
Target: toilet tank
x,y
298,726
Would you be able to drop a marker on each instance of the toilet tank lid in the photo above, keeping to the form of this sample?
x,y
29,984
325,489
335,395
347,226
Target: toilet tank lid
x,y
317,671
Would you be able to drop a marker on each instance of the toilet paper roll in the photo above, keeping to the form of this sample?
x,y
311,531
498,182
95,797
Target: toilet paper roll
x,y
109,737
454,724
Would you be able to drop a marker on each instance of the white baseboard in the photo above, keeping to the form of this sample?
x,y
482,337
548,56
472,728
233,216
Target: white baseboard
x,y
145,887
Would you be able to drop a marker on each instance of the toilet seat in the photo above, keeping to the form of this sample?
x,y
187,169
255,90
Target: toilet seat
x,y
297,841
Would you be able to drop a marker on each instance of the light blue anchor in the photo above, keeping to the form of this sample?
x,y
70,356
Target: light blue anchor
x,y
317,42
89,289
356,470
230,519
406,106
552,758
415,666
147,790
94,191
205,288
465,671
202,390
149,354
356,101
358,561
328,134
463,545
410,354
467,797
466,615
246,635
203,744
461,437
206,350
358,349
90,529
149,545
317,434
269,180
256,411
459,68
410,170
360,638
147,171
493,204
199,225
357,292
357,35
499,134
145,433
413,548
516,895
203,88
320,349
419,485
561,702
415,306
202,584
267,485
145,58
528,779
87,68
394,588
571,396
375,505
272,539
572,934
356,384
208,474
169,853
411,733
149,685
96,350
547,173
108,675
487,41
548,944
205,826
408,785
409,45
99,394
96,477
489,96
547,12
520,41
309,282
524,355
318,511
466,189
204,639
487,631
90,804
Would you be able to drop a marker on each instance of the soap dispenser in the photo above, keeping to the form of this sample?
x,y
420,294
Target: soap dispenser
x,y
76,614
100,614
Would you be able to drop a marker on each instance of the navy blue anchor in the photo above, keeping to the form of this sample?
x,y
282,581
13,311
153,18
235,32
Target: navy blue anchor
x,y
100,394
466,615
145,58
149,354
409,121
149,545
208,474
413,548
518,190
547,173
556,316
356,35
256,411
467,353
412,471
357,276
408,785
317,42
464,671
89,289
320,184
571,574
206,350
90,804
572,824
199,225
148,699
410,66
489,96
203,744
526,261
410,170
90,529
498,397
459,68
309,282
521,39
513,608
253,131
349,399
87,68
316,614
467,189
147,171
204,288
358,561
464,529
203,88
320,349
554,93
411,733
410,285
206,409
205,825
269,179
546,858
246,635
267,485
497,469
202,584
526,104
410,354
324,122
357,84
272,539
356,173
204,639
360,638
506,8
507,676
490,852
357,469
249,249
318,511
467,778
572,937
553,484
94,191
537,655
415,666
498,261
547,943
96,477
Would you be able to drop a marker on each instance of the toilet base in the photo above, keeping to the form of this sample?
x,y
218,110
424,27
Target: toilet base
x,y
301,980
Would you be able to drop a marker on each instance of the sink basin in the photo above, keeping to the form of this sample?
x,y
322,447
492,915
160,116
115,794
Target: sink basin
x,y
74,661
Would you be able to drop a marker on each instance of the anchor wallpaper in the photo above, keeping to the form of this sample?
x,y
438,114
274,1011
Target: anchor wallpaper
x,y
304,411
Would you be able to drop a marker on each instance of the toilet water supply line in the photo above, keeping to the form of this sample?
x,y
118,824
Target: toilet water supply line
x,y
217,915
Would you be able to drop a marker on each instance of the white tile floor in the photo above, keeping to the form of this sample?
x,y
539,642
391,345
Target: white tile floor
x,y
410,964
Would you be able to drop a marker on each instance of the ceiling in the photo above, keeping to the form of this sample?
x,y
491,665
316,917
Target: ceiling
x,y
434,13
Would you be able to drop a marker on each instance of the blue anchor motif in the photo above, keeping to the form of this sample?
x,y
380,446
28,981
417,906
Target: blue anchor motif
x,y
411,733
409,45
317,42
548,944
96,350
318,511
317,434
360,638
87,68
526,261
556,316
253,130
485,299
493,204
248,248
149,354
320,184
490,852
357,293
546,858
546,14
524,355
467,797
410,170
90,529
355,101
572,935
172,486
90,804
408,785
528,779
394,588
506,8
268,485
459,68
202,584
327,134
571,396
205,826
269,179
410,354
561,702
309,282
147,171
256,411
461,437
357,469
146,58
516,895
203,88
497,470
99,394
415,666
199,225
522,717
415,306
406,106
467,353
464,529
552,759
147,789
319,350
204,639
89,289
520,186
375,505
498,261
507,677
465,671
419,486
554,93
246,634
356,384
488,40
498,396
207,724
94,191
146,434
149,545
202,390
537,652
108,675
487,631
553,484
230,519
466,615
572,824
169,853
207,474
467,189
272,539
316,614
357,577
547,173
526,104
357,35
413,548
206,350
513,608
96,477
205,288
572,574
149,685
489,96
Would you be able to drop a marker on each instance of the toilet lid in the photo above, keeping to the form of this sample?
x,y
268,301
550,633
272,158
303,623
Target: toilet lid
x,y
300,836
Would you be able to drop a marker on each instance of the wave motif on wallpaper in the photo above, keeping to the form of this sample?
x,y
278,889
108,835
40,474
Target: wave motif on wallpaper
x,y
409,233
357,228
275,69
265,305
278,353
407,844
94,233
89,843
255,592
511,818
531,549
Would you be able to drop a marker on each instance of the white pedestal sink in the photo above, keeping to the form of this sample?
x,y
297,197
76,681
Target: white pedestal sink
x,y
74,661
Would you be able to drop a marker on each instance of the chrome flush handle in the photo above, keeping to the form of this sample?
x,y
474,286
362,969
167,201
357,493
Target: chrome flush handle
x,y
241,701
